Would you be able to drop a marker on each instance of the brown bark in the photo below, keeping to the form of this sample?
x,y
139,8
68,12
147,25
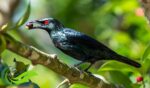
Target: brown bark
x,y
146,7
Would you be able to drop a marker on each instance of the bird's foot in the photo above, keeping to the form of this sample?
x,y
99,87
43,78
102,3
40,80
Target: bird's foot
x,y
82,72
76,65
86,70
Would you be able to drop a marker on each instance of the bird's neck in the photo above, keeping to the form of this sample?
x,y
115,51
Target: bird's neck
x,y
49,30
57,36
54,32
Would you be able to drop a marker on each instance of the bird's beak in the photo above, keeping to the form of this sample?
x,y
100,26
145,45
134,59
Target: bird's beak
x,y
33,25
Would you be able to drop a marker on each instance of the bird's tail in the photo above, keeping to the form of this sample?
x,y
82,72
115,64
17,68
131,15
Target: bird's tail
x,y
127,61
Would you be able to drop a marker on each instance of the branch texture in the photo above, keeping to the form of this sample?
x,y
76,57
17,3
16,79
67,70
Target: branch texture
x,y
51,61
146,6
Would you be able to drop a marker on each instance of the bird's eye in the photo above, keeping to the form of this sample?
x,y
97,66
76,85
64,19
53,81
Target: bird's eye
x,y
46,22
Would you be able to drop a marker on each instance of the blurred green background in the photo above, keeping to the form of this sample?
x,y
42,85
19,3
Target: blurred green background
x,y
119,24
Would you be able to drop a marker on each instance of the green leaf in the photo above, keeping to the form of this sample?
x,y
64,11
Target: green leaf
x,y
119,73
4,74
146,60
146,67
24,77
6,26
20,68
78,86
118,66
120,79
146,53
2,44
16,74
20,74
25,17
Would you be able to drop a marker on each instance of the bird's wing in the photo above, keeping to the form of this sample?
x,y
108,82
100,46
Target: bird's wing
x,y
83,40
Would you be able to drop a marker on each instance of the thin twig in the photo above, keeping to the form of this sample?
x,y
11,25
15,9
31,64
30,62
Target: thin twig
x,y
66,81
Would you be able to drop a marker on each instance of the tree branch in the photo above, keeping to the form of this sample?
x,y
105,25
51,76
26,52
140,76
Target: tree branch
x,y
51,61
146,6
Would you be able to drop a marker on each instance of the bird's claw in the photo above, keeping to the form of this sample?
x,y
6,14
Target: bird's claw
x,y
75,65
88,72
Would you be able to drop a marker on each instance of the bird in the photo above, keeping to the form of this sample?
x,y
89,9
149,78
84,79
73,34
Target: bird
x,y
78,45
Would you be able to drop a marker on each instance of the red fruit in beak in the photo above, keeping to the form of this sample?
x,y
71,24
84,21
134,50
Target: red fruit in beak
x,y
29,25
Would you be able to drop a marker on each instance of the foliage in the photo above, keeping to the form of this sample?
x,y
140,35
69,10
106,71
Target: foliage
x,y
117,23
14,75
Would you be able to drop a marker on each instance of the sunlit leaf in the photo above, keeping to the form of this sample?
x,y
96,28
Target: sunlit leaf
x,y
8,74
120,79
119,73
25,17
146,66
78,86
24,77
118,66
4,27
2,44
21,73
146,53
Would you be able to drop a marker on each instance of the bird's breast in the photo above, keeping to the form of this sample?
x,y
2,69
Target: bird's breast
x,y
57,38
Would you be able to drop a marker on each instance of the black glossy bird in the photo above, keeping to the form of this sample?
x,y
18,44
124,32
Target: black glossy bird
x,y
77,44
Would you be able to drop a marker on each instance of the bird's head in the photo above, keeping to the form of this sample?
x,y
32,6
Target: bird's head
x,y
48,24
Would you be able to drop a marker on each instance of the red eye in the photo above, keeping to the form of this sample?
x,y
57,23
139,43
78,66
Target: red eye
x,y
46,22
